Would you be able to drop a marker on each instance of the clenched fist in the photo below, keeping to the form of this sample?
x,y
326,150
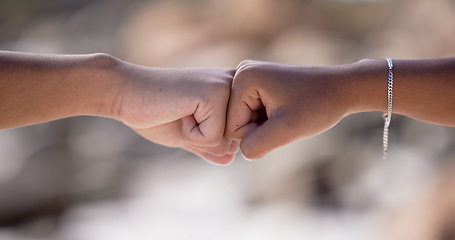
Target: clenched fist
x,y
183,108
274,104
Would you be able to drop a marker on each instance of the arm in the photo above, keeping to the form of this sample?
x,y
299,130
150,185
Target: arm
x,y
283,103
183,108
423,89
37,88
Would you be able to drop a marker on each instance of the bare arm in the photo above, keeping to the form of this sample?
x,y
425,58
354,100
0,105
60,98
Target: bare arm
x,y
283,103
36,88
183,108
423,89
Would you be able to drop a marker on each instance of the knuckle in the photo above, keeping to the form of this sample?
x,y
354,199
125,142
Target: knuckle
x,y
246,66
213,140
245,63
248,72
244,77
246,69
232,132
234,147
219,151
229,133
103,60
221,88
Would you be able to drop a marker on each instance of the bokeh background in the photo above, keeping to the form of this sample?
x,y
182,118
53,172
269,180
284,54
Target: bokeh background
x,y
87,178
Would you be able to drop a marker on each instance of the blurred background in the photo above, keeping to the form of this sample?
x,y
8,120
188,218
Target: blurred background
x,y
93,178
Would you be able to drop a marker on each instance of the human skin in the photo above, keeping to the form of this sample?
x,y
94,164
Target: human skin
x,y
183,108
274,104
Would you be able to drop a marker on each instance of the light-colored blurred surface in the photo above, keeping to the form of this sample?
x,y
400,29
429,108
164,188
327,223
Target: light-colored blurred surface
x,y
93,178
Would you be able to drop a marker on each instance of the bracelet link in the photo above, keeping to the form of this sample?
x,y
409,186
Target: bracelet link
x,y
388,115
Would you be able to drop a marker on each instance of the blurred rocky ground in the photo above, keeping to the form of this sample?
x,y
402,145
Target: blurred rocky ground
x,y
93,178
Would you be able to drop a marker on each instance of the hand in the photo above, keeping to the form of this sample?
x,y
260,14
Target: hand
x,y
274,104
183,108
270,105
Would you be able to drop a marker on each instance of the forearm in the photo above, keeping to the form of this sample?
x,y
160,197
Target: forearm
x,y
174,107
36,88
423,89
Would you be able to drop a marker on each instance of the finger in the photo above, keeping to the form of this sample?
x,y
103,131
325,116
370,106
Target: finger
x,y
223,161
275,132
190,130
206,126
239,133
234,148
207,133
240,114
257,118
217,160
168,134
220,150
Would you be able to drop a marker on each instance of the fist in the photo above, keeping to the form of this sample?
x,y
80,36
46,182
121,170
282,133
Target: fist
x,y
274,104
183,108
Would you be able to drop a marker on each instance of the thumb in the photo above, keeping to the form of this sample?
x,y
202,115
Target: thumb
x,y
277,131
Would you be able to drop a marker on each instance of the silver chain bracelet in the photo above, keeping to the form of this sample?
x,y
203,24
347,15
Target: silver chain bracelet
x,y
388,115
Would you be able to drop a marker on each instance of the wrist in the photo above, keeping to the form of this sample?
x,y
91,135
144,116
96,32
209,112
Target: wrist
x,y
367,83
103,72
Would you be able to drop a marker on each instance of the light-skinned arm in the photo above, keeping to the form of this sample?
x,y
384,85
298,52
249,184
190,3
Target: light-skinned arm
x,y
183,108
274,104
